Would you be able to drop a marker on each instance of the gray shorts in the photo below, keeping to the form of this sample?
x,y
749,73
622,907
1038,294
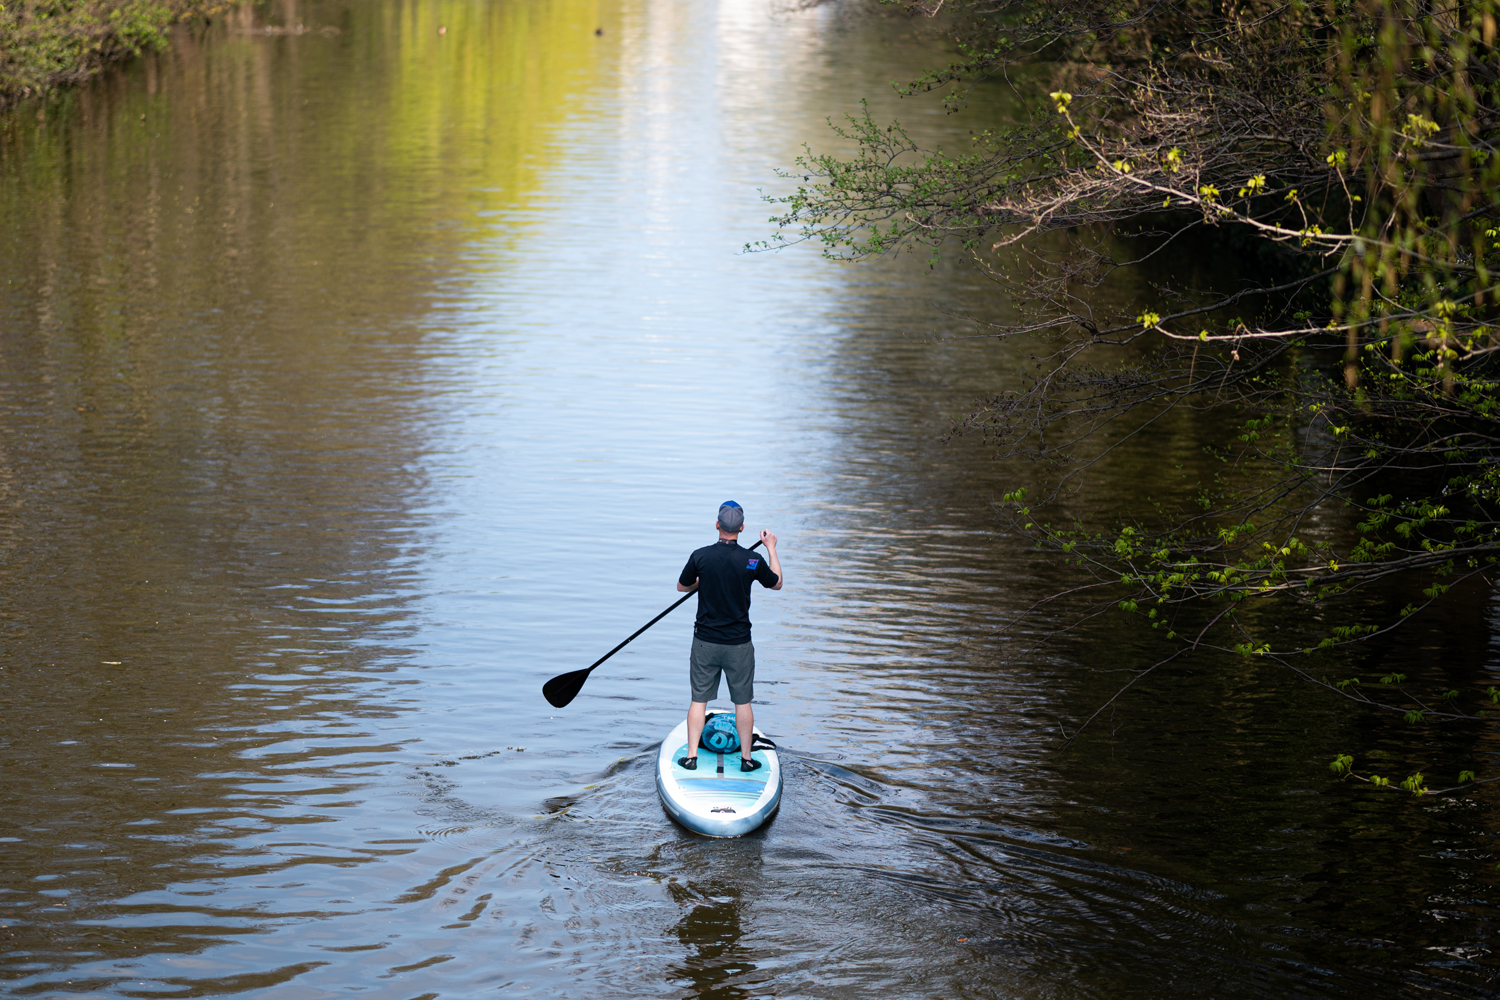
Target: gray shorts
x,y
737,663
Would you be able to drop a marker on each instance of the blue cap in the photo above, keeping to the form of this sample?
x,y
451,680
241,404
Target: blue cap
x,y
731,516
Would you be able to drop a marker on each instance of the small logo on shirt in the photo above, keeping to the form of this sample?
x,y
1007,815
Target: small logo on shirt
x,y
753,564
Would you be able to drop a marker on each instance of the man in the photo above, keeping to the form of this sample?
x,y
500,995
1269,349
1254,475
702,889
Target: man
x,y
722,574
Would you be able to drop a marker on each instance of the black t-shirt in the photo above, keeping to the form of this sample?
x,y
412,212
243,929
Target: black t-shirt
x,y
724,571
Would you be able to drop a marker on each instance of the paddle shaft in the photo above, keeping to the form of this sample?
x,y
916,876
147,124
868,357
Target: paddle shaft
x,y
653,621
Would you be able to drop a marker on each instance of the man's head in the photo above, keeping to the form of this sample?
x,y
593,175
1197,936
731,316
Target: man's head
x,y
731,518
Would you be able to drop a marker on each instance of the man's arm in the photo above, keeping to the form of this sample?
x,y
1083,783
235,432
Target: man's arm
x,y
771,558
690,574
692,586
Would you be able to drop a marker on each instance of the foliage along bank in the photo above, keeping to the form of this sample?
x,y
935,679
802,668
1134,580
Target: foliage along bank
x,y
1349,150
46,44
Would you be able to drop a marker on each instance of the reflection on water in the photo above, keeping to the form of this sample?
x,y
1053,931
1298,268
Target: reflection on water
x,y
352,383
715,965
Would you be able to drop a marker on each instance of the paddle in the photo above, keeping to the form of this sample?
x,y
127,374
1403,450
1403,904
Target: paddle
x,y
565,687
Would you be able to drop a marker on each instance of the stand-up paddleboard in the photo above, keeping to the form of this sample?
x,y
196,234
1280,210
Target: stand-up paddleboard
x,y
717,799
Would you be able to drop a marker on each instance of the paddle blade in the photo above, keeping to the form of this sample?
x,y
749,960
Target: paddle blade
x,y
565,687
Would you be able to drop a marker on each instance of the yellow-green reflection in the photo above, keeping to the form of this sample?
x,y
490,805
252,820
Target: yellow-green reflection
x,y
213,409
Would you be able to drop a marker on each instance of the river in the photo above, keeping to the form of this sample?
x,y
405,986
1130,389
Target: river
x,y
363,365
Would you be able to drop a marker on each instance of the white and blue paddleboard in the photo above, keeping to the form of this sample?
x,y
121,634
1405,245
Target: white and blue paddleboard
x,y
717,799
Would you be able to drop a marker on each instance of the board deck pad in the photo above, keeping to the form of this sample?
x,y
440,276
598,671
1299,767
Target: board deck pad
x,y
733,787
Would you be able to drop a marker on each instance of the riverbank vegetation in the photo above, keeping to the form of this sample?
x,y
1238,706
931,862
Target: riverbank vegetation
x,y
50,43
1342,155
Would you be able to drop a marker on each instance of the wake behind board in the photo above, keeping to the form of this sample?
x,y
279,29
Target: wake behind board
x,y
718,799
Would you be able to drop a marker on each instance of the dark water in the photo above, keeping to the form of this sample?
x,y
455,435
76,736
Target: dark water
x,y
354,382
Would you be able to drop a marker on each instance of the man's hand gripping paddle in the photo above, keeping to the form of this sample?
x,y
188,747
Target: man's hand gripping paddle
x,y
563,688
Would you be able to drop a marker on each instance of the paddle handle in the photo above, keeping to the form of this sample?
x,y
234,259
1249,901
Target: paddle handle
x,y
653,621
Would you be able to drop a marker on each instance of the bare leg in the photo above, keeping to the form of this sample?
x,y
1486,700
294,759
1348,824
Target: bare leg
x,y
744,724
696,712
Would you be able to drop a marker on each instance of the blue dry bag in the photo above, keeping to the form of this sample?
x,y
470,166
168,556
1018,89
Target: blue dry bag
x,y
719,735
